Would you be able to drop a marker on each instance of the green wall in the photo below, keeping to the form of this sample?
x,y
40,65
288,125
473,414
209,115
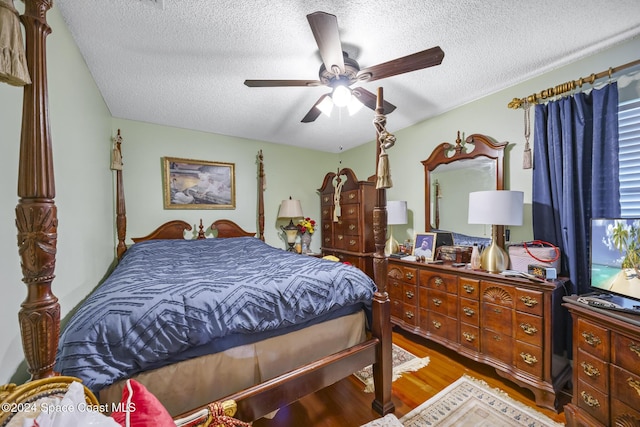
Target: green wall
x,y
81,131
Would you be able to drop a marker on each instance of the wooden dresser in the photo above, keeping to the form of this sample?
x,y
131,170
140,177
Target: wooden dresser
x,y
504,322
350,236
606,379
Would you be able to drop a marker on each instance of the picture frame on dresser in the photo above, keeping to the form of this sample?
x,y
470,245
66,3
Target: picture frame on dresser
x,y
198,184
425,245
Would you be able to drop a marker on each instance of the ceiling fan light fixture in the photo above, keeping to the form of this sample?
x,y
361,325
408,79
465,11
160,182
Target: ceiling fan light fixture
x,y
354,105
341,96
326,105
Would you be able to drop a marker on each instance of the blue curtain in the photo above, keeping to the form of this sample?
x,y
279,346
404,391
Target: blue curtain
x,y
575,174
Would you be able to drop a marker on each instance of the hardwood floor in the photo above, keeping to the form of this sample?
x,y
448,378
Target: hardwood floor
x,y
345,404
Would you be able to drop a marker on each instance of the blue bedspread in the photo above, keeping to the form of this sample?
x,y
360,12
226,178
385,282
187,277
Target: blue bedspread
x,y
172,299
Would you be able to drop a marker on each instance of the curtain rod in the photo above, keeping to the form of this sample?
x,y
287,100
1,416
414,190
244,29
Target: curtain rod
x,y
568,86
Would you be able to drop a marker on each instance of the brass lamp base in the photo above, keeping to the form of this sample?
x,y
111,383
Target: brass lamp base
x,y
494,259
391,247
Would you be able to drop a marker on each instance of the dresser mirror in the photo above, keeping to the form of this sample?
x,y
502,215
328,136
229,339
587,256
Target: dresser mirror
x,y
451,172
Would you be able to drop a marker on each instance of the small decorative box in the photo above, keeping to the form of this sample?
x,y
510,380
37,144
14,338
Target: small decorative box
x,y
455,253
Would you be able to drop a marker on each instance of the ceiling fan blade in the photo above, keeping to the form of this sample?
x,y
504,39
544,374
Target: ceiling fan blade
x,y
417,61
370,100
315,112
277,83
325,30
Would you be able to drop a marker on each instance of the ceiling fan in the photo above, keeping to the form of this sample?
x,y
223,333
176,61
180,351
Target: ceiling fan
x,y
339,72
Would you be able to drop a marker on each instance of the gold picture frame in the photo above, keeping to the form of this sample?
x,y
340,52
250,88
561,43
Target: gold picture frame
x,y
198,184
425,246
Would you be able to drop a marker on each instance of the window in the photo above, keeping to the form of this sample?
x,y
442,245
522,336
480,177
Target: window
x,y
629,140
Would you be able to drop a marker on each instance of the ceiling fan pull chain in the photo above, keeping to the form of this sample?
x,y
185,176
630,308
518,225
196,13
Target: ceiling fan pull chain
x,y
527,162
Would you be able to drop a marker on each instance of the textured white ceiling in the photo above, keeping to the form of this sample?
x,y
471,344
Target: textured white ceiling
x,y
182,63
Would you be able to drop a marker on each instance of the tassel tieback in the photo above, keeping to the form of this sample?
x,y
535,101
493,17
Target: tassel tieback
x,y
220,418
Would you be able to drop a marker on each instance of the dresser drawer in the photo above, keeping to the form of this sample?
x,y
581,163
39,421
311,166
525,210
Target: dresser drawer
x,y
529,358
593,339
469,336
410,314
592,371
326,200
439,281
625,386
347,242
496,293
442,326
469,311
397,308
497,318
409,293
497,345
626,353
348,226
623,415
468,288
593,401
409,274
348,197
438,302
529,301
529,329
394,287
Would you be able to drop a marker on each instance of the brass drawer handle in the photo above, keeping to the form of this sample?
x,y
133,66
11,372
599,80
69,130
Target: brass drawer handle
x,y
528,329
590,370
590,400
469,289
468,311
353,242
591,339
635,348
352,196
409,276
352,211
634,385
497,338
325,212
352,227
437,302
340,237
408,314
327,226
469,336
438,281
409,294
327,239
497,310
529,359
326,199
528,301
437,324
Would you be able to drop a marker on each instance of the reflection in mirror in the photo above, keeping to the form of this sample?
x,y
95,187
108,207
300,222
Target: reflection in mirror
x,y
452,171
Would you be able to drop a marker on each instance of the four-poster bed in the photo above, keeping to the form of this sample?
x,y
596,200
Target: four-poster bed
x,y
36,220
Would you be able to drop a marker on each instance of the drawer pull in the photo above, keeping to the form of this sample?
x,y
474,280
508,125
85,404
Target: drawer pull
x,y
528,301
634,384
409,276
528,329
590,400
353,242
635,348
352,211
591,339
590,370
529,359
327,226
438,281
437,324
469,288
468,311
497,338
326,199
327,239
408,314
325,212
469,336
352,227
352,196
340,237
409,294
437,302
497,310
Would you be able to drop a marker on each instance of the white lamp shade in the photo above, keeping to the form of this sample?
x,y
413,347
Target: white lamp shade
x,y
396,212
290,209
496,207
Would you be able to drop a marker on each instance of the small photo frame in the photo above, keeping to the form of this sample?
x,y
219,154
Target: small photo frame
x,y
425,246
198,184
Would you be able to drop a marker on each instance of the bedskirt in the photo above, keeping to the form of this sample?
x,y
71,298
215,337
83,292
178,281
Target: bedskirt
x,y
186,385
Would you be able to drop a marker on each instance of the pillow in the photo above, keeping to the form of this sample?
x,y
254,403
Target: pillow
x,y
139,408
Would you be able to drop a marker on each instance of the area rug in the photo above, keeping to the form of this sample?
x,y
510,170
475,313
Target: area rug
x,y
403,361
472,402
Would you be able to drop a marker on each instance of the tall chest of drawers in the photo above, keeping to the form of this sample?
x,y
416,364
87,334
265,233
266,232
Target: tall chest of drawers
x,y
347,226
512,324
606,384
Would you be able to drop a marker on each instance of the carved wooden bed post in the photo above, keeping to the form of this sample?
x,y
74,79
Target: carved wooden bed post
x,y
382,371
121,211
36,213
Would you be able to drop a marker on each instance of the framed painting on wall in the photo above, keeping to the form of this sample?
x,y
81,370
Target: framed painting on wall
x,y
198,184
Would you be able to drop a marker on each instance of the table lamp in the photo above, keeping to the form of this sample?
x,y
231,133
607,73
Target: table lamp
x,y
290,209
396,214
495,207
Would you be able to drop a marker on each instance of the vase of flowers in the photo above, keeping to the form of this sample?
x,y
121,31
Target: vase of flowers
x,y
306,227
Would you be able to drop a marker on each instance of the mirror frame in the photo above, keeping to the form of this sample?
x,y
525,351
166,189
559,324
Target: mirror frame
x,y
445,153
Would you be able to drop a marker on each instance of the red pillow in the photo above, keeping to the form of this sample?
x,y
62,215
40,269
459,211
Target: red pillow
x,y
140,408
